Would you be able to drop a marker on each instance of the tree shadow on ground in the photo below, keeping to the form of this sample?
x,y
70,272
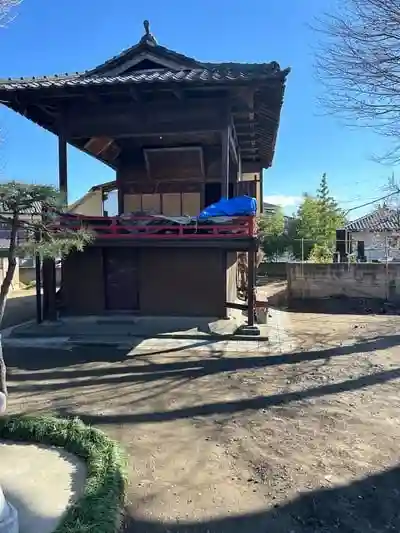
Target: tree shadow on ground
x,y
52,364
236,406
370,504
37,359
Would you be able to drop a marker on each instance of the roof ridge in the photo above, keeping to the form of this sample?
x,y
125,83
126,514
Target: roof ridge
x,y
201,67
201,73
145,47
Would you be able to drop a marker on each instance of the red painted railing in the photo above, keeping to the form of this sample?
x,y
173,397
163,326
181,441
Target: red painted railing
x,y
146,227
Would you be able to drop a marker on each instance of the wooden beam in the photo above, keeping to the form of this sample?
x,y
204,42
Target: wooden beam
x,y
97,145
146,119
225,162
135,127
249,167
234,305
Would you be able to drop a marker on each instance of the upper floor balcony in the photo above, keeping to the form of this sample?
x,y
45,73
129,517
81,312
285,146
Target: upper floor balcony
x,y
160,228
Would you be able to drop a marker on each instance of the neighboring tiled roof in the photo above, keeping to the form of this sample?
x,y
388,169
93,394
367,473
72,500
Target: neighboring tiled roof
x,y
35,209
270,208
216,74
382,219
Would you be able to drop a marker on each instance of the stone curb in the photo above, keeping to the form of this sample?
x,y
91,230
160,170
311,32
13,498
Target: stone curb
x,y
102,339
68,343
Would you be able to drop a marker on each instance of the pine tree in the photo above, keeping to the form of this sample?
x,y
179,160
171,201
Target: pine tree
x,y
42,236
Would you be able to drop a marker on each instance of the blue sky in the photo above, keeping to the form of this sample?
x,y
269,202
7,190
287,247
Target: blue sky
x,y
51,36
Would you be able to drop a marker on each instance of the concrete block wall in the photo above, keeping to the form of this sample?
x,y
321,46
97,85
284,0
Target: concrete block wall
x,y
3,271
361,280
28,274
272,270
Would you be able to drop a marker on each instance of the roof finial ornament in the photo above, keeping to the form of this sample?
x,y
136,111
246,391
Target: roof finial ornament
x,y
148,37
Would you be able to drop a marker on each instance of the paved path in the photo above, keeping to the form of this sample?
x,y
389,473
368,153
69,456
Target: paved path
x,y
39,482
21,306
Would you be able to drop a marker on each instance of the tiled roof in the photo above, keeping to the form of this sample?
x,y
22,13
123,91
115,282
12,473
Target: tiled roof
x,y
215,74
35,209
270,208
146,47
382,219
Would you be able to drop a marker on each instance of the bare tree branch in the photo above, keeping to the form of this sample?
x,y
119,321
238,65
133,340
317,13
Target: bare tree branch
x,y
6,11
358,63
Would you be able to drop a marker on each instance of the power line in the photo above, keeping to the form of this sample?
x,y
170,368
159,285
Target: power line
x,y
372,202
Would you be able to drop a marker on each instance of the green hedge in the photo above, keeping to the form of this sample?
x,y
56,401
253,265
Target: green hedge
x,y
100,507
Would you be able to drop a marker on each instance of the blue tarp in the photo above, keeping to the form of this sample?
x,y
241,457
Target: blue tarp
x,y
241,205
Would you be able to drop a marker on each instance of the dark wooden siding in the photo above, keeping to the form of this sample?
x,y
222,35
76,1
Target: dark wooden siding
x,y
83,282
183,282
171,282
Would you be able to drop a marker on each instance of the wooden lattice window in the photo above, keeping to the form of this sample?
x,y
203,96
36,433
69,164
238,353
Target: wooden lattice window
x,y
174,163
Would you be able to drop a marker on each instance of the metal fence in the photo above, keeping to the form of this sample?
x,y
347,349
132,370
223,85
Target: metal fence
x,y
379,250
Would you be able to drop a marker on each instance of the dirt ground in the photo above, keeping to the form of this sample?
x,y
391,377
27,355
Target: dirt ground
x,y
300,440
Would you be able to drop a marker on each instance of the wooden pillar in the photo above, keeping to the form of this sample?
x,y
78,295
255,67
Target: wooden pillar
x,y
38,268
121,207
49,265
251,284
261,199
225,163
120,193
63,167
49,290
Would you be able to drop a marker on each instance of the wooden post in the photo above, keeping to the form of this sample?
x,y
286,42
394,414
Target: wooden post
x,y
225,163
49,290
251,282
63,167
38,267
261,199
49,265
240,172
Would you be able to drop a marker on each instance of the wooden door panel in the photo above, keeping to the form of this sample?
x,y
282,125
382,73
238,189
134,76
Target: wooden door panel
x,y
122,279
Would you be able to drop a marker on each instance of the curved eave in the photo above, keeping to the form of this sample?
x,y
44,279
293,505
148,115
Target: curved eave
x,y
258,143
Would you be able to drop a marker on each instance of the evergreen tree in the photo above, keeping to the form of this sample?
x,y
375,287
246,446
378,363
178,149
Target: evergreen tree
x,y
274,241
41,236
316,222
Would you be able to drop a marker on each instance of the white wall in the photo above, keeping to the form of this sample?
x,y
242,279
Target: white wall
x,y
377,245
90,205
